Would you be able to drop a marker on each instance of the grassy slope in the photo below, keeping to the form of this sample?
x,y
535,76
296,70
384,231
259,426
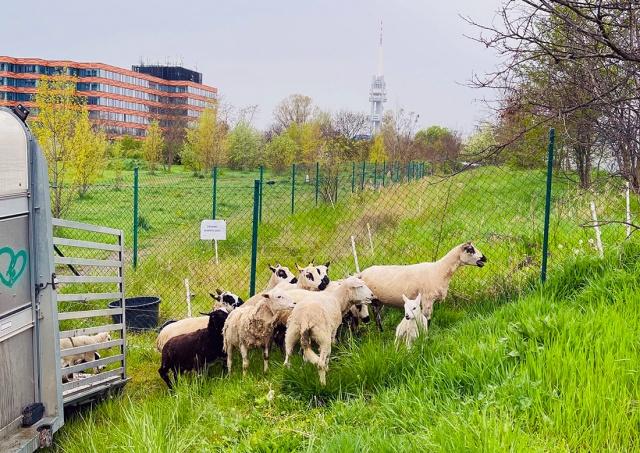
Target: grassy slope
x,y
554,370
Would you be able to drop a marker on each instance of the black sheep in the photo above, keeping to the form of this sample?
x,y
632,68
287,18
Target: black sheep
x,y
194,350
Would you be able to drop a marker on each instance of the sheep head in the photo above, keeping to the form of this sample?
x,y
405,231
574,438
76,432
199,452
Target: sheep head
x,y
471,256
412,306
314,278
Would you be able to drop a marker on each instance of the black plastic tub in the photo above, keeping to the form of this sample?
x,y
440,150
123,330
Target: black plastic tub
x,y
141,313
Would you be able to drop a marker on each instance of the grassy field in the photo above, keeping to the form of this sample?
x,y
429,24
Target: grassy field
x,y
508,365
555,369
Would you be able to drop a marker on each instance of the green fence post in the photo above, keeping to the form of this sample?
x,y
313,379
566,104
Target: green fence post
x,y
384,171
215,193
261,186
317,181
254,235
353,177
293,188
364,169
375,175
135,217
408,172
547,207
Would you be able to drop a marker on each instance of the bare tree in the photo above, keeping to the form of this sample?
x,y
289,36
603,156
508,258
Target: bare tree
x,y
572,64
295,108
350,124
398,129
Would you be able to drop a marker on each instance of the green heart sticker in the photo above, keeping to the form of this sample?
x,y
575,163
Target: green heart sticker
x,y
17,265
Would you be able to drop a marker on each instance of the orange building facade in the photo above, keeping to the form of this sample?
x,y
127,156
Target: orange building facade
x,y
123,101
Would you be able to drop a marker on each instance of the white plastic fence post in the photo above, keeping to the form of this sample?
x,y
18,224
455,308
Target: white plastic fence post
x,y
595,224
628,212
186,284
355,255
370,240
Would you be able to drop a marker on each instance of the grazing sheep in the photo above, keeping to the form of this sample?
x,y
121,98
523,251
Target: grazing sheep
x,y
316,318
431,279
76,359
413,324
224,299
194,350
252,327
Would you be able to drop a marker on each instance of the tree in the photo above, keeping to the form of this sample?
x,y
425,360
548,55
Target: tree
x,y
91,149
295,108
439,145
174,134
398,129
572,64
244,145
280,152
60,110
153,145
351,124
378,153
206,142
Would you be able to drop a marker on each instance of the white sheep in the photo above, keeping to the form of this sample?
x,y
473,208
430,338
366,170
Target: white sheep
x,y
312,278
252,327
81,340
413,324
224,299
279,274
316,319
431,279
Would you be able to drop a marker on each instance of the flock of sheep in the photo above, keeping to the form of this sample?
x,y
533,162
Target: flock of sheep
x,y
306,309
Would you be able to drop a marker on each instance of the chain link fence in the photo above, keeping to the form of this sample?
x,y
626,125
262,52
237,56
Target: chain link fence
x,y
352,215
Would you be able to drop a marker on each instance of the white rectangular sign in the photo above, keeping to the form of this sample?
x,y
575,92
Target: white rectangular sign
x,y
213,229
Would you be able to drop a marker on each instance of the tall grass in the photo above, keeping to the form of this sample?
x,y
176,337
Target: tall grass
x,y
555,368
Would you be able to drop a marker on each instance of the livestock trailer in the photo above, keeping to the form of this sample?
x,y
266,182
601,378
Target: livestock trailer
x,y
32,394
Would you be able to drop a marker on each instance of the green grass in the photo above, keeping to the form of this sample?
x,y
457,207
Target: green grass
x,y
556,368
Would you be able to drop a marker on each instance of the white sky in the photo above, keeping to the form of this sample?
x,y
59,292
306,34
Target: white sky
x,y
260,52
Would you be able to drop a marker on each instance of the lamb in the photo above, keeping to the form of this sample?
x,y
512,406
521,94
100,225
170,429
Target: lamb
x,y
194,350
253,326
317,318
431,279
90,356
413,324
224,299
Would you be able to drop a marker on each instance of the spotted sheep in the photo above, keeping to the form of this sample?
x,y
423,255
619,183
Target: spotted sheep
x,y
224,299
430,279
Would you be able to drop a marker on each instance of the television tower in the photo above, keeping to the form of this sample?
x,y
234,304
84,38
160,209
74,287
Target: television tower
x,y
377,93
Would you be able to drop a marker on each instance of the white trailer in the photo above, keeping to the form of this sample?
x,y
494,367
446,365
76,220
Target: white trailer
x,y
32,395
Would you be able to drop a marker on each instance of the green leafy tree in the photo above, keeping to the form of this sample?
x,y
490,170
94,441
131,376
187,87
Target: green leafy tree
x,y
243,146
60,110
280,152
90,158
153,145
206,142
377,152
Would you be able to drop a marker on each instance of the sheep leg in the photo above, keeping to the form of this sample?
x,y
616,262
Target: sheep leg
x,y
245,359
229,358
323,363
265,357
164,375
290,340
375,303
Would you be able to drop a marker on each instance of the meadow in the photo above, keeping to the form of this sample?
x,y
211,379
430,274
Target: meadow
x,y
509,364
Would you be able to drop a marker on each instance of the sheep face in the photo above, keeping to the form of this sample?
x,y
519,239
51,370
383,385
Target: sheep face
x,y
280,300
226,299
314,276
412,307
362,293
472,256
283,274
361,311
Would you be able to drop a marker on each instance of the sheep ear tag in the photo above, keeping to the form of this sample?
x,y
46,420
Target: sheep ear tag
x,y
14,263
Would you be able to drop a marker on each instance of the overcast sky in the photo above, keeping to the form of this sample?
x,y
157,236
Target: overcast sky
x,y
260,52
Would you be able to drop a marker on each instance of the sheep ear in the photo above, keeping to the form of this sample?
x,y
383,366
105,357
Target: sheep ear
x,y
327,264
218,291
273,269
298,267
405,298
265,295
313,260
215,297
